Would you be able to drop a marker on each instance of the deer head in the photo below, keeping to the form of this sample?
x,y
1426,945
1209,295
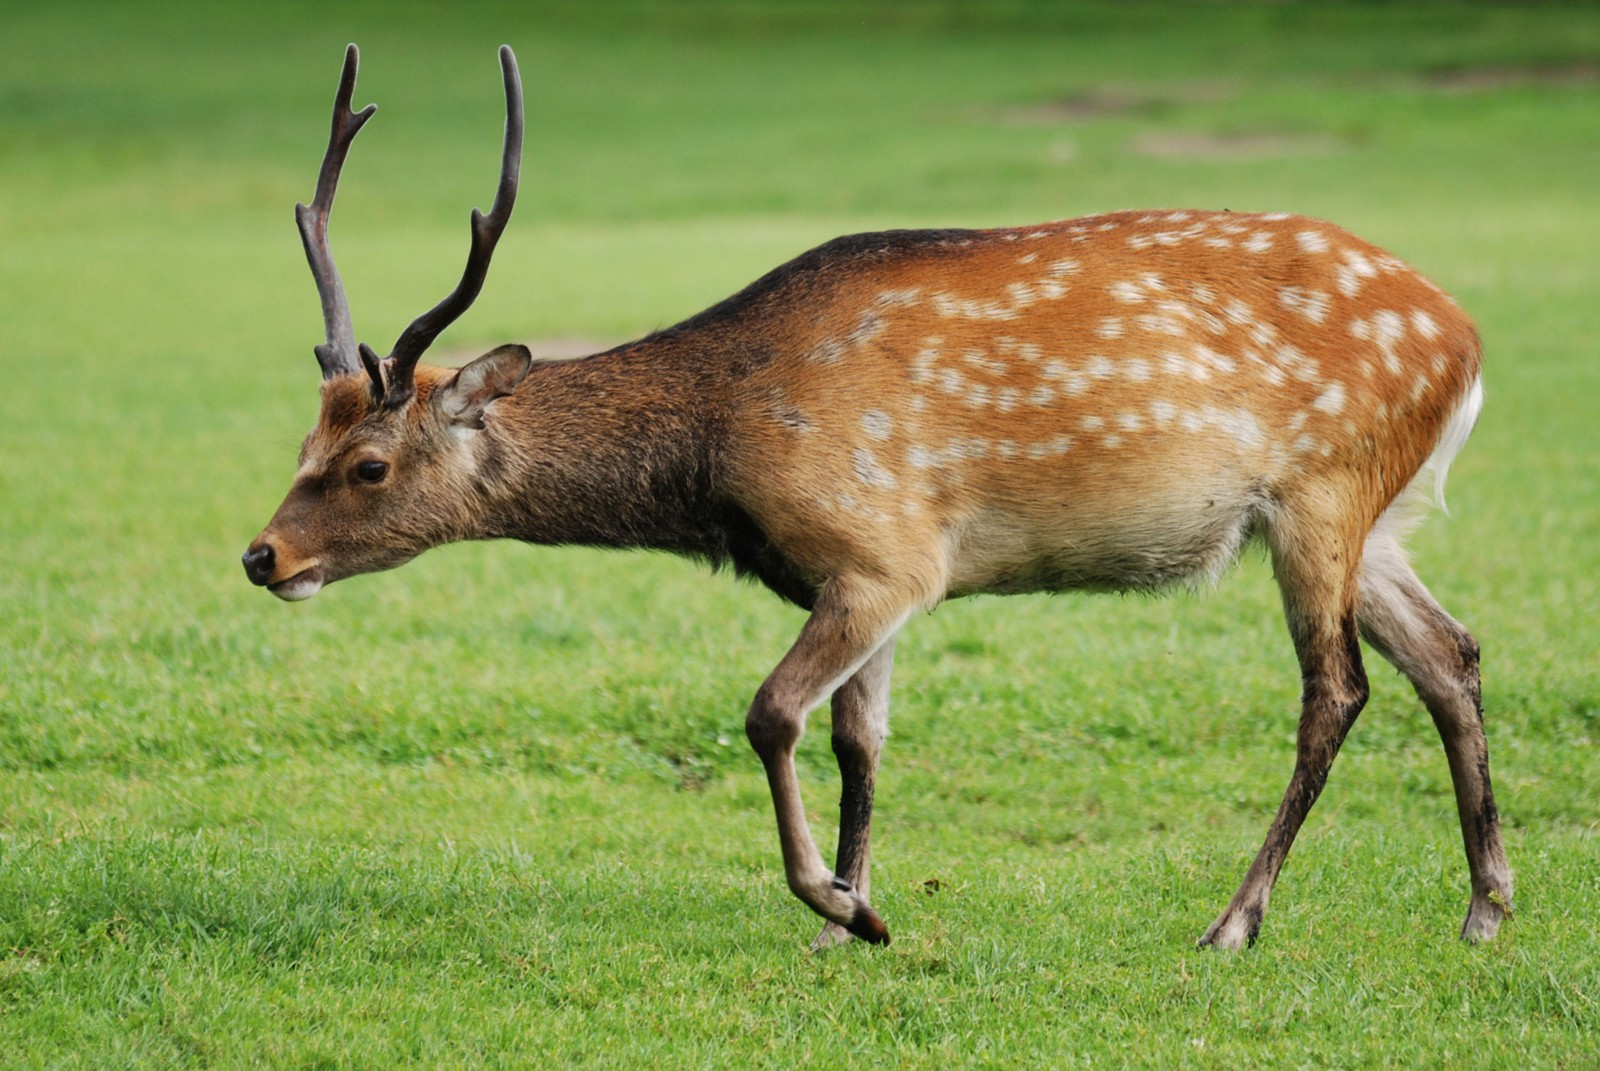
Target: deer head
x,y
390,468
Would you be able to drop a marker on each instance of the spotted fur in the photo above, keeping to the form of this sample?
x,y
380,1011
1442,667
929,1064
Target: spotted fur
x,y
1118,402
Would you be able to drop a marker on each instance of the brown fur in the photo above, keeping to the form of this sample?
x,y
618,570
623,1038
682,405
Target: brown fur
x,y
1116,402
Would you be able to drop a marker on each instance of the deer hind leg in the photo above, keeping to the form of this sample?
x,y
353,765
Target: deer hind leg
x,y
1314,558
860,725
850,625
1401,620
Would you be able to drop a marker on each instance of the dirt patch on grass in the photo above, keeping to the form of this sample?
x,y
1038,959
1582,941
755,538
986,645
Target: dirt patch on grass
x,y
1234,145
1110,102
1483,79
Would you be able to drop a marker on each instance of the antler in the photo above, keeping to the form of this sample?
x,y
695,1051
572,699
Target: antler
x,y
337,356
394,372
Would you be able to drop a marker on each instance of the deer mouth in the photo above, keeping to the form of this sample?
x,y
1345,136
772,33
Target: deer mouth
x,y
302,585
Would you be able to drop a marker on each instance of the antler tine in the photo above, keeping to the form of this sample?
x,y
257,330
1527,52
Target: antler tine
x,y
337,355
398,367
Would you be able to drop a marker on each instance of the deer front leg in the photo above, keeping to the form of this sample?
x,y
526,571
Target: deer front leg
x,y
860,724
848,626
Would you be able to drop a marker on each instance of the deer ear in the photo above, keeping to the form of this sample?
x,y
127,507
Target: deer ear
x,y
494,375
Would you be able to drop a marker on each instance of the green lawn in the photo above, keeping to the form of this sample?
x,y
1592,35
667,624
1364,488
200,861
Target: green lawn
x,y
496,809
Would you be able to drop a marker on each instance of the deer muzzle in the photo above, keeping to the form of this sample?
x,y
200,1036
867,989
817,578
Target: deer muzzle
x,y
263,567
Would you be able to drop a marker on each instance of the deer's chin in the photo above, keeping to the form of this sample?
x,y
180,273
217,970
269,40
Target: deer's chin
x,y
300,586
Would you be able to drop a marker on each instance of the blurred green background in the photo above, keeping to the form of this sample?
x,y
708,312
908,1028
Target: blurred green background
x,y
495,809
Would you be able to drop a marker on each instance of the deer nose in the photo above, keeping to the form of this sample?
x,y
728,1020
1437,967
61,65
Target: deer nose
x,y
259,563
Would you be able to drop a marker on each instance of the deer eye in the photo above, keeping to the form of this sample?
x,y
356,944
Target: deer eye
x,y
371,471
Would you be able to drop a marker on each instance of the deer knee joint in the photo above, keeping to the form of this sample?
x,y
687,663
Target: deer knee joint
x,y
770,726
858,746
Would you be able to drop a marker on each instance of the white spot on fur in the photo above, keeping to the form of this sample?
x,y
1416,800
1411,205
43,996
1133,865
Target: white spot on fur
x,y
869,326
984,363
1163,413
1312,304
972,309
1091,423
1137,369
1330,401
1239,423
828,351
1312,241
1021,294
1126,292
876,423
1388,327
869,472
1130,422
900,298
1237,312
1161,325
1259,242
1425,325
1099,367
1110,327
970,449
1348,276
1041,396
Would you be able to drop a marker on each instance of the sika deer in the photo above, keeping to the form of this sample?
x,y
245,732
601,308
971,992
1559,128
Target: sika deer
x,y
1111,403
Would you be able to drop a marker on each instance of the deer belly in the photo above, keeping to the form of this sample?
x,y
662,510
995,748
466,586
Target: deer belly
x,y
1132,547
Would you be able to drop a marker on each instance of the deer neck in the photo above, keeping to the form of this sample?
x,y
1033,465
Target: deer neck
x,y
616,450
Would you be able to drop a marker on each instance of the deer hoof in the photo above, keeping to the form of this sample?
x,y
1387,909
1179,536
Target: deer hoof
x,y
1484,918
866,925
1232,931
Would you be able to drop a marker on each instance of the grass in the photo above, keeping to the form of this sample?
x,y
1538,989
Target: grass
x,y
495,809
